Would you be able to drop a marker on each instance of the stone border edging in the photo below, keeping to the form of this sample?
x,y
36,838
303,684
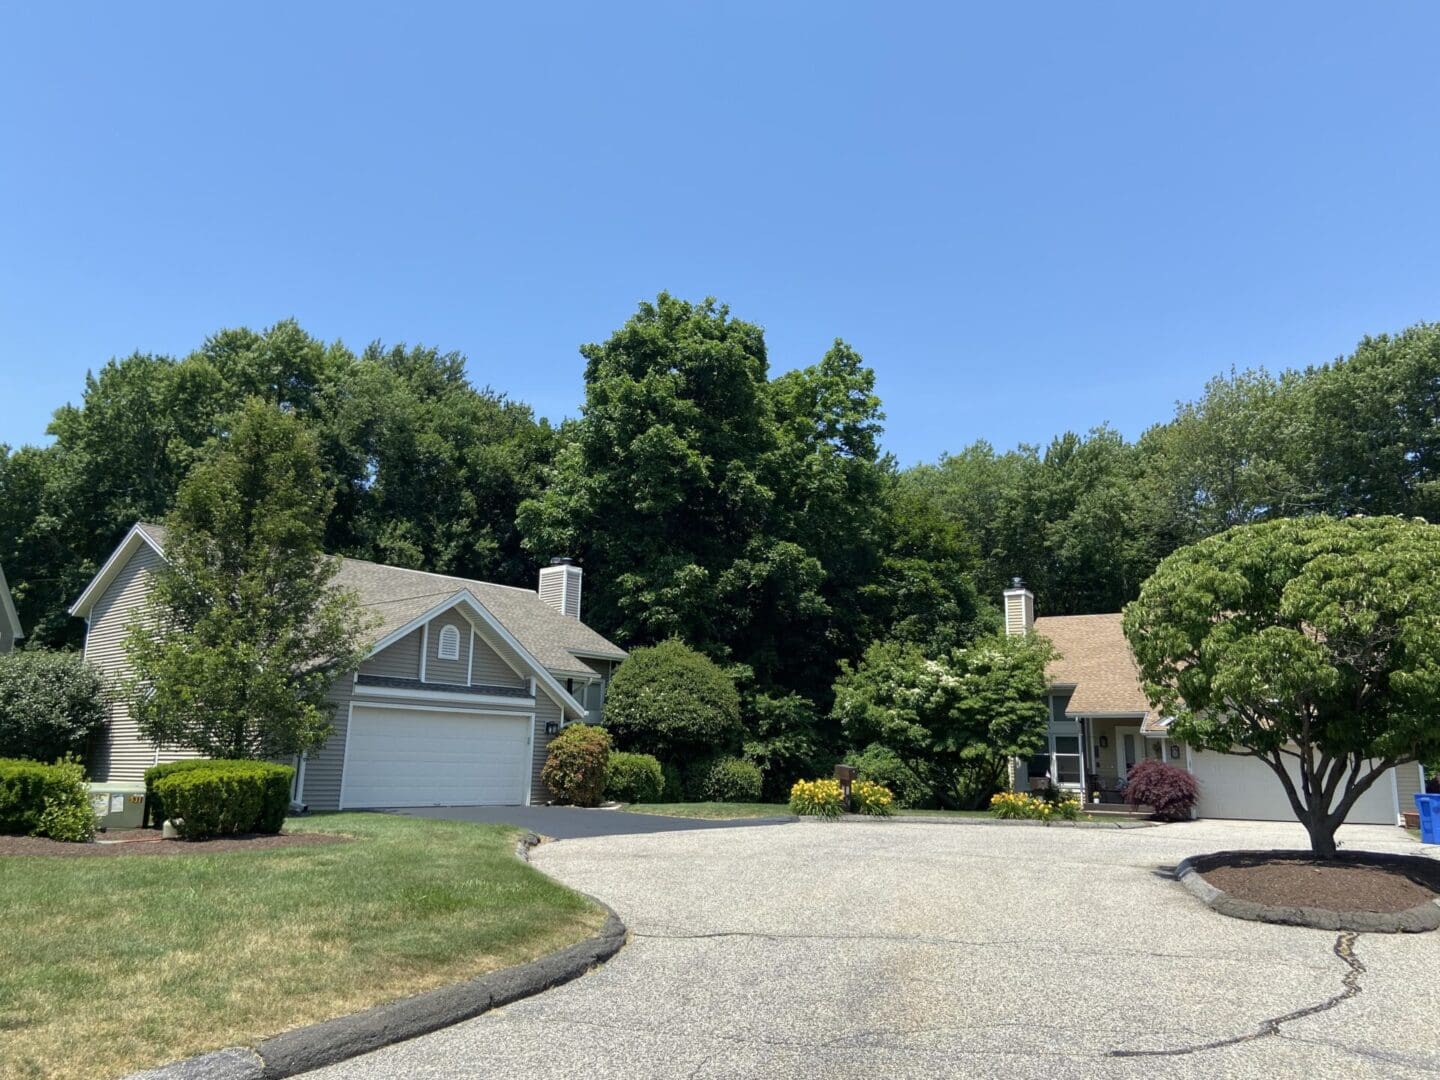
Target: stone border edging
x,y
332,1041
1411,921
920,819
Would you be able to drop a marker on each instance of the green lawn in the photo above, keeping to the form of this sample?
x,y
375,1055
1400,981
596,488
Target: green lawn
x,y
114,963
715,810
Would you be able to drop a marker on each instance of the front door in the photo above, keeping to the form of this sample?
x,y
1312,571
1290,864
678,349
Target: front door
x,y
1129,750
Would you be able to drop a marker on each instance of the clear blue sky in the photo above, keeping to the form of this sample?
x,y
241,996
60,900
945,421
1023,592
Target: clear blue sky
x,y
1028,218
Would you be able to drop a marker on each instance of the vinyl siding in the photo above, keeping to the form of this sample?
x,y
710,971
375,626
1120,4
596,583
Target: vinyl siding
x,y
490,668
400,660
7,640
121,754
546,711
1407,783
447,671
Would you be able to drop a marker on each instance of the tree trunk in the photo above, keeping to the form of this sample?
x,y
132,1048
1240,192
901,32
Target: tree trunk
x,y
1321,828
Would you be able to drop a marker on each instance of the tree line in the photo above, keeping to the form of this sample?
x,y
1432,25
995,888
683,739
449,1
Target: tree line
x,y
753,515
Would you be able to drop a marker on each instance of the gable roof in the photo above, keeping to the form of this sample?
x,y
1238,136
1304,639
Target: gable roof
x,y
398,597
7,608
1095,659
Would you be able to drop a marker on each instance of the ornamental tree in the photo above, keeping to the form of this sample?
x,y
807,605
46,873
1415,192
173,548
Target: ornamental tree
x,y
253,630
670,701
954,719
1310,644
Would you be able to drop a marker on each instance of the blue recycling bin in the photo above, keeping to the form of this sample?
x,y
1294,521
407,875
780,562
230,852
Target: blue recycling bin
x,y
1429,807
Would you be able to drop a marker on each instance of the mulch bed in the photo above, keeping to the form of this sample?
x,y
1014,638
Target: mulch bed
x,y
1341,885
39,845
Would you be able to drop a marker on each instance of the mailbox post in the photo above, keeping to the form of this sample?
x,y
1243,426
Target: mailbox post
x,y
845,774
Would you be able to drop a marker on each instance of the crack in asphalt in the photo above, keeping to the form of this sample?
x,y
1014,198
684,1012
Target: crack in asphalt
x,y
1350,986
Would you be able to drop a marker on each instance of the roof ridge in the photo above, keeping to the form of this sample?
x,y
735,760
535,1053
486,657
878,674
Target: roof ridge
x,y
434,574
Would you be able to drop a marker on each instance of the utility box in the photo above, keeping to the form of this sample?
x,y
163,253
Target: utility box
x,y
118,805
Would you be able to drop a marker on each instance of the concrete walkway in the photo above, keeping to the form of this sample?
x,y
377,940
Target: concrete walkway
x,y
575,823
849,951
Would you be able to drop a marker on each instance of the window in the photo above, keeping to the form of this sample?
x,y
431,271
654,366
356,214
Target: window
x,y
449,643
1067,758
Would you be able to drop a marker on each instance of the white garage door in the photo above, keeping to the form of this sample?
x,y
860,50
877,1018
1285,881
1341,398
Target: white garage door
x,y
1238,787
402,757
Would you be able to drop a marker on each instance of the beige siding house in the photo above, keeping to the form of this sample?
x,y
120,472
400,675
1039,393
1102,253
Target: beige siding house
x,y
1101,723
464,685
10,630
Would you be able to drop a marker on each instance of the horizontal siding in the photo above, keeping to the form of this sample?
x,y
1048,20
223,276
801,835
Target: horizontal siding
x,y
546,711
400,660
447,671
1407,783
490,668
122,754
323,766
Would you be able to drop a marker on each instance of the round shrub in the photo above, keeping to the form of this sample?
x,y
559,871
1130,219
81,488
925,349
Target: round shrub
x,y
880,765
670,701
575,765
1169,791
873,799
50,704
223,798
45,800
817,798
733,780
633,778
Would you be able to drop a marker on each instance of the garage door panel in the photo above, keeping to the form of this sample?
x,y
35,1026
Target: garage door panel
x,y
398,757
1244,788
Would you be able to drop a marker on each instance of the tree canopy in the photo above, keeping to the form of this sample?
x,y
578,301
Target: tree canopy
x,y
255,630
1310,644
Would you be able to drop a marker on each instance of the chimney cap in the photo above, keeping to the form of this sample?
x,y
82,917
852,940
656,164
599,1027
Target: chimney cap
x,y
563,560
1017,582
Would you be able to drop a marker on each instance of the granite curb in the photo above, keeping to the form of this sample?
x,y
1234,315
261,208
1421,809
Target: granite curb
x,y
1411,921
345,1037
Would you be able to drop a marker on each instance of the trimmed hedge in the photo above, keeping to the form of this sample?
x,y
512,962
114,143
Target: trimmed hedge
x,y
634,778
733,780
154,805
575,765
45,800
221,798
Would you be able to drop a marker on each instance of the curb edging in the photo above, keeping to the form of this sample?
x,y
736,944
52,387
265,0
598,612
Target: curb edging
x,y
1410,921
332,1041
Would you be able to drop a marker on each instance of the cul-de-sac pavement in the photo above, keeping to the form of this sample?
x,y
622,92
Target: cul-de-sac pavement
x,y
919,950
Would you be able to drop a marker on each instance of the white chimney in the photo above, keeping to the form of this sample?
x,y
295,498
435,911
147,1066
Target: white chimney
x,y
560,586
1019,608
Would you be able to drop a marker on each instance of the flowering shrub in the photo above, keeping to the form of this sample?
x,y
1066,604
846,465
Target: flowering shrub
x,y
816,798
1171,792
870,798
1018,805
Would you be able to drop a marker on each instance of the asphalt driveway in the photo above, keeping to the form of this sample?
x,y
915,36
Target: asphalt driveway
x,y
916,950
575,823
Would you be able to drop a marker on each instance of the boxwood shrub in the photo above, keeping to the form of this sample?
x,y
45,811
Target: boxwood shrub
x,y
575,765
45,800
221,798
634,778
732,780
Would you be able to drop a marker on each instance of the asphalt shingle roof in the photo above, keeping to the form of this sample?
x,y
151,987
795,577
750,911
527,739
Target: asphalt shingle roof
x,y
398,596
1095,658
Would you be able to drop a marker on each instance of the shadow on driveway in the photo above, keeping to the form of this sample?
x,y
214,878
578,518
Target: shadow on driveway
x,y
575,823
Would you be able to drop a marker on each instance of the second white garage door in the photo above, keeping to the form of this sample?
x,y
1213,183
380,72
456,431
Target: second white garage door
x,y
1241,787
402,757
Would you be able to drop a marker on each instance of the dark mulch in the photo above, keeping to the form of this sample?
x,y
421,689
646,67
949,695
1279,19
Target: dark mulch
x,y
38,845
1348,884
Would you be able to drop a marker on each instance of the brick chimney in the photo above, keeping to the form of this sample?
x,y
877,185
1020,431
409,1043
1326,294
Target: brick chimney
x,y
1019,608
560,586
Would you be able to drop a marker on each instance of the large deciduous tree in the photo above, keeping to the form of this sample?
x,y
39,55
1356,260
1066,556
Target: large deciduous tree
x,y
1310,644
954,719
244,629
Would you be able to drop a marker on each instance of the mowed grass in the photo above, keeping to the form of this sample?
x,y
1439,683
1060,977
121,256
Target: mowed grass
x,y
719,811
116,963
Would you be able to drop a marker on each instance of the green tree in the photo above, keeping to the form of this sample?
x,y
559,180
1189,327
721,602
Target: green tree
x,y
670,701
252,629
955,719
1310,644
50,704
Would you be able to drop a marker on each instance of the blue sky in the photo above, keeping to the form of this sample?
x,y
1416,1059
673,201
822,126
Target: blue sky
x,y
1028,218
